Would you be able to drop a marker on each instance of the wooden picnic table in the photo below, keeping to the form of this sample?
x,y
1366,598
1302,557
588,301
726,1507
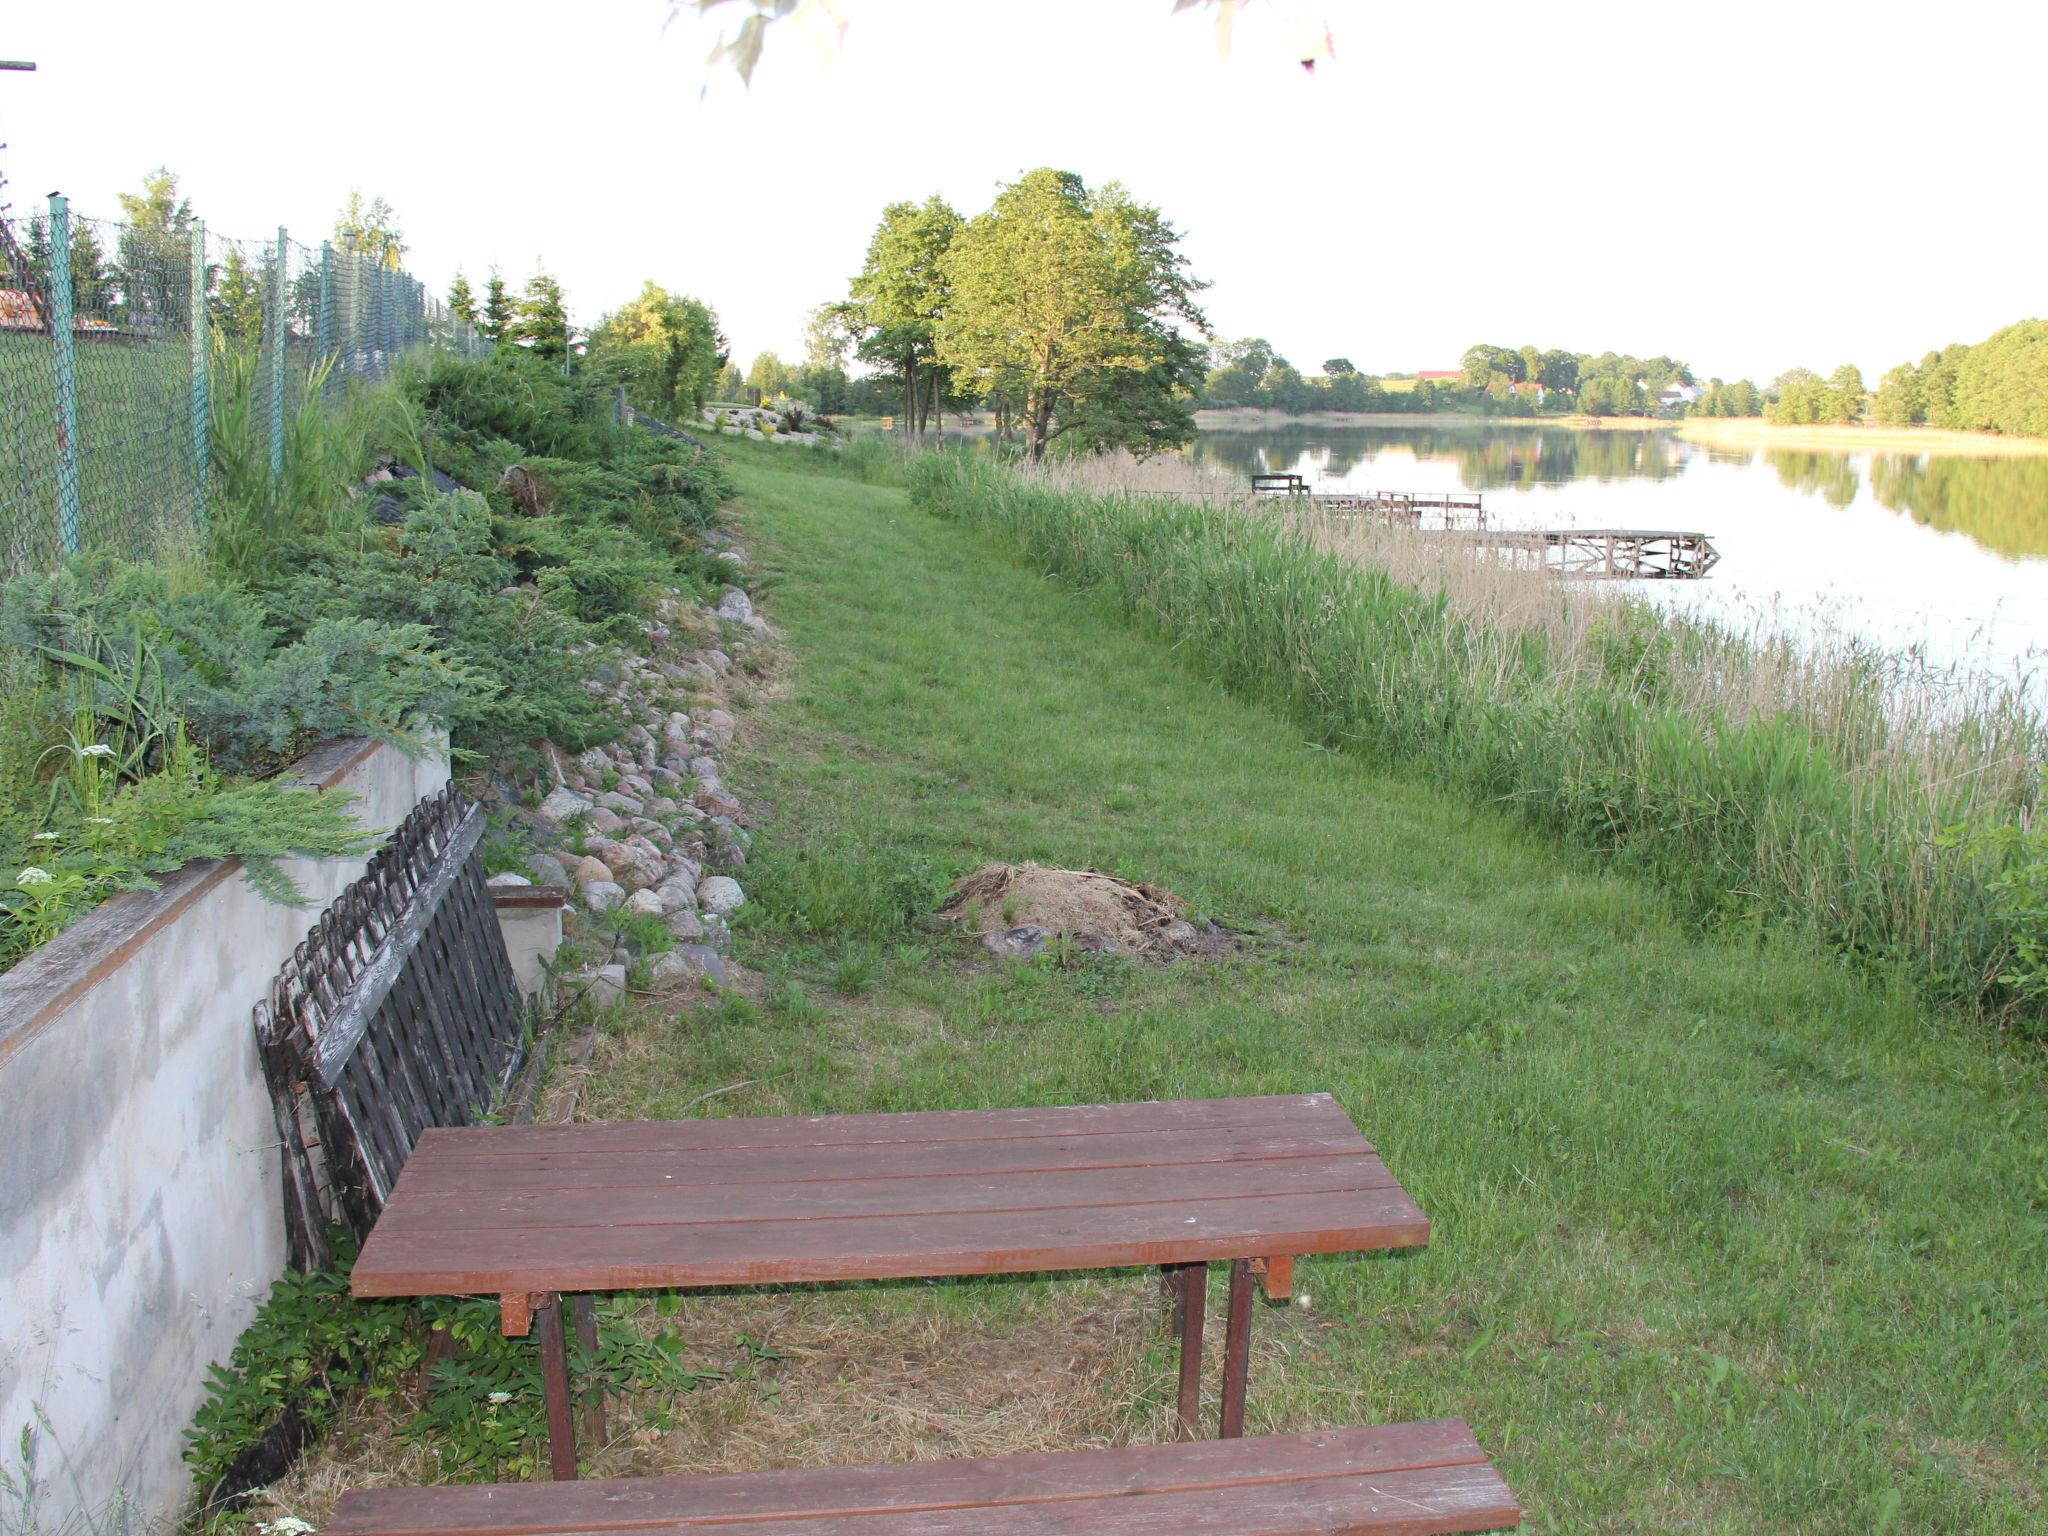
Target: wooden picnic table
x,y
533,1213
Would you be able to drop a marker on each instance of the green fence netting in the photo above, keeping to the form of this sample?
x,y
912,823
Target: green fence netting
x,y
112,343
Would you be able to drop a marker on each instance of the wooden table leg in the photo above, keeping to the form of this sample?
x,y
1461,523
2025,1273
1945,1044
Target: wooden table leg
x,y
1190,1300
583,1308
554,1379
1237,1351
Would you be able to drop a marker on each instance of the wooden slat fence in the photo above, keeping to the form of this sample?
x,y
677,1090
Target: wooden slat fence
x,y
397,1012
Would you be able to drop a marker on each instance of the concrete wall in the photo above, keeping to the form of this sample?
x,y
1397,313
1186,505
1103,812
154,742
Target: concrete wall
x,y
141,1220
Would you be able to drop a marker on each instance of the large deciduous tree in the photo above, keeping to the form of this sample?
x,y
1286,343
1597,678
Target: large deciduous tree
x,y
664,348
900,294
1080,306
369,227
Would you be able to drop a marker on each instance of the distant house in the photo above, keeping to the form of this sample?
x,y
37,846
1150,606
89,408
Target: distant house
x,y
1678,395
1530,390
18,313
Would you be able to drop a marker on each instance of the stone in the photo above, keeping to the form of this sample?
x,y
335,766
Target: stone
x,y
720,724
640,737
1016,943
502,881
606,985
667,777
589,870
721,894
728,856
603,895
562,803
718,661
662,805
690,962
604,819
596,761
547,869
632,784
758,625
734,606
677,893
717,801
736,556
644,904
685,926
625,805
705,769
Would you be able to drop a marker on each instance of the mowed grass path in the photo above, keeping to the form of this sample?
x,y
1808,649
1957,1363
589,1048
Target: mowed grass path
x,y
1726,1239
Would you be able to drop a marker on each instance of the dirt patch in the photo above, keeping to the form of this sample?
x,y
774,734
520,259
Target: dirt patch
x,y
1018,909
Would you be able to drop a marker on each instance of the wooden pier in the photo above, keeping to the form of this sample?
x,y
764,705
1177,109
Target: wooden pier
x,y
1628,554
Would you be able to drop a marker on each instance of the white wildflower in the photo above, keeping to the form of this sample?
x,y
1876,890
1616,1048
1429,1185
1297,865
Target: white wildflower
x,y
33,876
44,837
287,1525
99,821
501,1397
101,749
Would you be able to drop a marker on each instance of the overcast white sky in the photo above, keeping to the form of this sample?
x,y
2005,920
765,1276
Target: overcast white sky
x,y
1746,186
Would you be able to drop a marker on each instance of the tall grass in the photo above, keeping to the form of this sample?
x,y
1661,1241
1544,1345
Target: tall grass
x,y
1840,790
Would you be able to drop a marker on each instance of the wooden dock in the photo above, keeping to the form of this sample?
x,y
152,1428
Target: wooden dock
x,y
1628,554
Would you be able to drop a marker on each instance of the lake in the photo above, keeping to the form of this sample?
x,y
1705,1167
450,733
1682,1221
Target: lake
x,y
1946,555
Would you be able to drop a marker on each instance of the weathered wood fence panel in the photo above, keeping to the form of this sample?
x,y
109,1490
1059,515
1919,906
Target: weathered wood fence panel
x,y
398,1012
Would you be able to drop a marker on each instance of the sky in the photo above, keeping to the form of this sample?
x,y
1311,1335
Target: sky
x,y
1745,186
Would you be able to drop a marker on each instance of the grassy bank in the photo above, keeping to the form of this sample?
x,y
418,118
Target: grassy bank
x,y
1727,1239
1766,787
1754,432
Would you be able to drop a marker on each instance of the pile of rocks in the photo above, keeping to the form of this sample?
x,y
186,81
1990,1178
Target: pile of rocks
x,y
648,825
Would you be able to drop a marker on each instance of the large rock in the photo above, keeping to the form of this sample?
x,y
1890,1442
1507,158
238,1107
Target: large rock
x,y
590,871
716,800
721,894
719,724
547,869
677,893
644,904
603,895
734,606
1016,943
685,926
625,805
686,963
499,881
606,985
606,820
562,803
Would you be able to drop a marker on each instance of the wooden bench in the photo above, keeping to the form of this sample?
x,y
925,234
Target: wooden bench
x,y
534,1214
1391,1480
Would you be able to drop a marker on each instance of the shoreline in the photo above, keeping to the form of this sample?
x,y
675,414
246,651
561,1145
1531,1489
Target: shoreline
x,y
1751,432
1250,418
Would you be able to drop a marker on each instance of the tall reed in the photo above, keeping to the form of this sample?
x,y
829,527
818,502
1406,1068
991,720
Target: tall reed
x,y
1836,789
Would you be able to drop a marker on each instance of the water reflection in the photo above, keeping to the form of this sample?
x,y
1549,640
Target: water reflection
x,y
1487,458
2001,503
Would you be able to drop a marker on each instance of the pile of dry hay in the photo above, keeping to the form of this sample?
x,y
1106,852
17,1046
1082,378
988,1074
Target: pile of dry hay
x,y
1018,909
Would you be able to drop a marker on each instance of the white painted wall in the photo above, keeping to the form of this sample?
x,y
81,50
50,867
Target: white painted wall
x,y
141,1219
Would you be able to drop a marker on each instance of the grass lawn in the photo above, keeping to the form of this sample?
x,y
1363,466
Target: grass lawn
x,y
1726,1238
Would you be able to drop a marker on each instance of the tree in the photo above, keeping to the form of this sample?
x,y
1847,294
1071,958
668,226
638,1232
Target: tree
x,y
1560,371
827,336
768,375
370,229
499,311
1483,364
462,301
153,258
2001,384
1843,403
1900,402
1799,398
236,307
1060,297
541,320
900,294
665,348
1239,369
1338,367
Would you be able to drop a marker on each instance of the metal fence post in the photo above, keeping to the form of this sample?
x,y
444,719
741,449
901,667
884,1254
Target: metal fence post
x,y
64,372
201,447
278,328
327,307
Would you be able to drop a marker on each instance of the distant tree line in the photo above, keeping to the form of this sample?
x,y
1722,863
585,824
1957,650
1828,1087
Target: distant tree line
x,y
1998,385
1491,380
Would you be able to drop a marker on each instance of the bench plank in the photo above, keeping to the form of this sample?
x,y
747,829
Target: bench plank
x,y
1396,1480
591,1207
650,1255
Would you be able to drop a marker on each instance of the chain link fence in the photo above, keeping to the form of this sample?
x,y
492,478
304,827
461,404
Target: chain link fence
x,y
113,344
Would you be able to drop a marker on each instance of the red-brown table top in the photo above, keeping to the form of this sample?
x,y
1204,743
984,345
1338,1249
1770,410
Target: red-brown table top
x,y
641,1205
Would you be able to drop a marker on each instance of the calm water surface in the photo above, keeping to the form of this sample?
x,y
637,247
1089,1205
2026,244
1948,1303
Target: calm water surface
x,y
1947,555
